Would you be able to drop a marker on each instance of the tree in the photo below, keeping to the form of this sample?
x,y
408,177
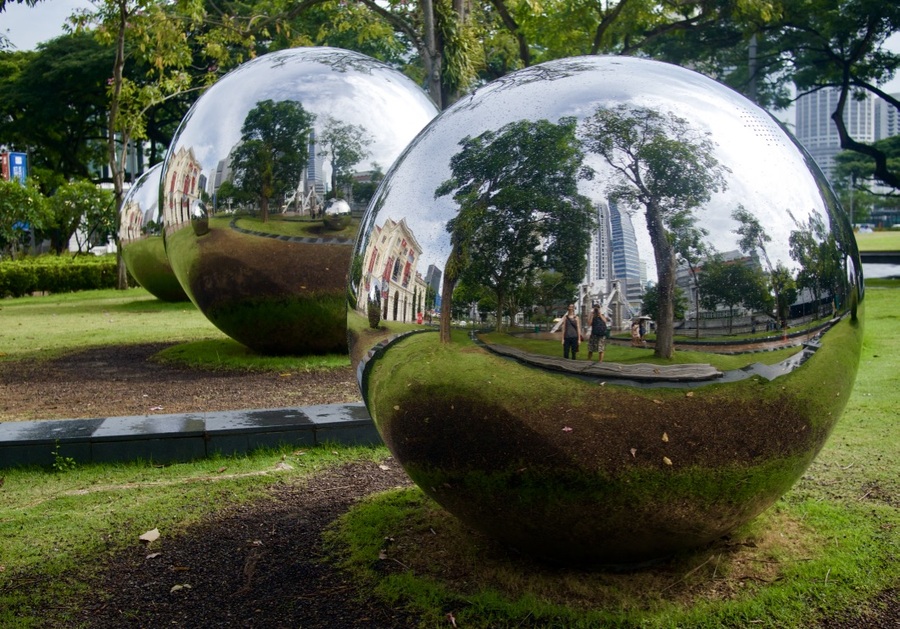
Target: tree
x,y
731,284
55,108
752,241
840,44
23,209
650,303
663,166
519,209
854,180
815,249
273,151
83,209
345,146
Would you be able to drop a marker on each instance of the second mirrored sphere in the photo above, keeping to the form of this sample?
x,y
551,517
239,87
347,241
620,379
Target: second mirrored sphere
x,y
252,180
590,196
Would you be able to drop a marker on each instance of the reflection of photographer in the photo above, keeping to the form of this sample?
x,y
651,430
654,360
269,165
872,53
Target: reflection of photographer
x,y
599,326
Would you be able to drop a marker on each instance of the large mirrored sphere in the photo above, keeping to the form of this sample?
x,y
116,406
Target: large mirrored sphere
x,y
141,239
247,179
703,234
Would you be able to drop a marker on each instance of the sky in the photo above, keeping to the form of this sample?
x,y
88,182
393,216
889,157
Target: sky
x,y
28,26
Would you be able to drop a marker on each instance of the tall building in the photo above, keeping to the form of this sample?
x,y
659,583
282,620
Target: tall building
x,y
817,132
599,262
626,261
887,119
315,177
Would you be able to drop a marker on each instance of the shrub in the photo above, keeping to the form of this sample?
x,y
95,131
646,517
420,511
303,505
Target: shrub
x,y
53,274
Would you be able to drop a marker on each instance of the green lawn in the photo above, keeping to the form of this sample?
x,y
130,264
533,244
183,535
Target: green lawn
x,y
831,543
879,241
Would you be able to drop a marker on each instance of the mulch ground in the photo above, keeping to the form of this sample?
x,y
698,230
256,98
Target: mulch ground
x,y
256,565
123,380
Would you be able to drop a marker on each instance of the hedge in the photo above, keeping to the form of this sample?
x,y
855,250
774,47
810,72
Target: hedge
x,y
56,274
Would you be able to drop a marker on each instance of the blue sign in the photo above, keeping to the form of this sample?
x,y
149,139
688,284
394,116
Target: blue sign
x,y
18,167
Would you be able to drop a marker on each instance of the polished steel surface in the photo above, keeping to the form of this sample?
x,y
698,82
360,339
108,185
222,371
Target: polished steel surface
x,y
246,181
712,244
141,239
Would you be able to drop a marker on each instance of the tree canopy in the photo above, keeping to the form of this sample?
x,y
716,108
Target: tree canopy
x,y
273,151
519,207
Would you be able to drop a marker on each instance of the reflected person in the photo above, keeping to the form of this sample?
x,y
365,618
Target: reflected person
x,y
571,333
597,341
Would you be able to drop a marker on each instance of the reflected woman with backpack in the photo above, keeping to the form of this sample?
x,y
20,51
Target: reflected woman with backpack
x,y
599,327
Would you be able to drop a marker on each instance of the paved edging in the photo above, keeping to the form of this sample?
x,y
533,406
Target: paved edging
x,y
183,437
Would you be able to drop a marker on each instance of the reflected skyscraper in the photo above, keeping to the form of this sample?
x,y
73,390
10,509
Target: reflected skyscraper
x,y
315,177
626,261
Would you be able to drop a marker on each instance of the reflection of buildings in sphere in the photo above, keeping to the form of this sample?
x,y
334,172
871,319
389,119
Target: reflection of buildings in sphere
x,y
245,223
183,186
390,270
615,275
141,240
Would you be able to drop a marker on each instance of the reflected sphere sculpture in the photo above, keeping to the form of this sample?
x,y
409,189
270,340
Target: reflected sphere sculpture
x,y
247,177
141,239
702,232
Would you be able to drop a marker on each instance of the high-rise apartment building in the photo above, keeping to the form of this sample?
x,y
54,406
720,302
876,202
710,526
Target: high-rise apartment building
x,y
817,132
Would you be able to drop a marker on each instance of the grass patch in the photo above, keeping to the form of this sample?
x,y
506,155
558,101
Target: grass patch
x,y
303,227
888,240
227,354
829,544
43,327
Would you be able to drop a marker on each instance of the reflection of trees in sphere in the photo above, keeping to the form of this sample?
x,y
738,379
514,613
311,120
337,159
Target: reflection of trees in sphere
x,y
245,181
685,213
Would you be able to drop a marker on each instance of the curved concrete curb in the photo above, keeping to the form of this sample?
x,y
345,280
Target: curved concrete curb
x,y
183,437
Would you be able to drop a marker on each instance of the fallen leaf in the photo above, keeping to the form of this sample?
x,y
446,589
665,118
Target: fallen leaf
x,y
150,536
175,588
281,465
689,394
285,375
382,554
383,467
156,408
396,408
221,469
451,618
566,429
665,437
153,555
657,401
667,460
633,452
299,452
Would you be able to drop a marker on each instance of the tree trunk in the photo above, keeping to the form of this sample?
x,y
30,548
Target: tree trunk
x,y
664,255
451,276
432,56
117,157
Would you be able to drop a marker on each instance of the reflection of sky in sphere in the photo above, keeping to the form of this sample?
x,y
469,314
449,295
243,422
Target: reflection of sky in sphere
x,y
350,87
769,175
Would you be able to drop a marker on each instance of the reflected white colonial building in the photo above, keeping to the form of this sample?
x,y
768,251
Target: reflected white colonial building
x,y
390,272
183,186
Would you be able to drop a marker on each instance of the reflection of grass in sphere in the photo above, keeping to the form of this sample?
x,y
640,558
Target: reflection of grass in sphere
x,y
275,296
299,227
147,262
569,470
